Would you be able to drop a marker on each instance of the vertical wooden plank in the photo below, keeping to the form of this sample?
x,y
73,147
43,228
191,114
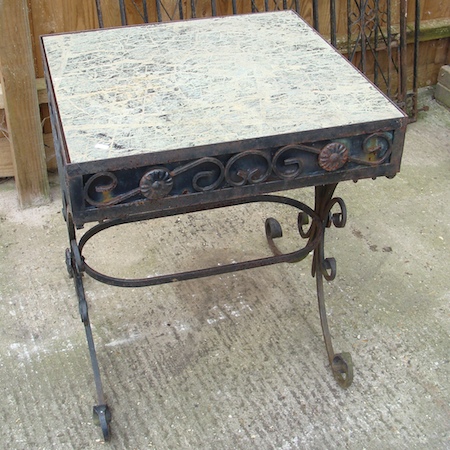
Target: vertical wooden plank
x,y
21,103
6,164
56,16
434,9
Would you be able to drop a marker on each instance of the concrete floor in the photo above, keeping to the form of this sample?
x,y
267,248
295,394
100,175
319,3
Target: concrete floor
x,y
238,361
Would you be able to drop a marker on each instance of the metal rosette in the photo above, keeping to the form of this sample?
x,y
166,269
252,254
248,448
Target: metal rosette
x,y
156,183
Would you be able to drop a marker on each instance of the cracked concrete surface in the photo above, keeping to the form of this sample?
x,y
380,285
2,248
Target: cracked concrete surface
x,y
237,361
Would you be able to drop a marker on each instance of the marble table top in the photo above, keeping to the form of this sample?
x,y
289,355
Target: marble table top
x,y
157,87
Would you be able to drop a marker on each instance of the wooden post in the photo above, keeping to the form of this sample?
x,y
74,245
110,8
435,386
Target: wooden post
x,y
21,103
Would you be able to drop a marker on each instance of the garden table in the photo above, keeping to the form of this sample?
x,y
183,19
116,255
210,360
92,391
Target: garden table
x,y
165,119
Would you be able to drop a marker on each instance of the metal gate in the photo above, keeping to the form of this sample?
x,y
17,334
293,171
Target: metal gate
x,y
371,42
379,49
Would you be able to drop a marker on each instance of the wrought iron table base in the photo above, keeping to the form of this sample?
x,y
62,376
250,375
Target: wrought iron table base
x,y
313,231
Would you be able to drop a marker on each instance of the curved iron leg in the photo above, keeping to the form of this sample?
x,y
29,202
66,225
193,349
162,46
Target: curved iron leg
x,y
341,363
74,261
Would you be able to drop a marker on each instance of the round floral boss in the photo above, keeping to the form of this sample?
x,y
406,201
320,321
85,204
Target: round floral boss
x,y
333,156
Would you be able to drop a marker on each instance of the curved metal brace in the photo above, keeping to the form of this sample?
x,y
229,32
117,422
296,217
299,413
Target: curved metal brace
x,y
278,256
75,267
341,363
273,231
338,219
328,269
302,220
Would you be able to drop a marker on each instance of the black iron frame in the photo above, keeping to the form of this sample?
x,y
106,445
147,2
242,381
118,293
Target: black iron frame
x,y
164,184
381,148
312,223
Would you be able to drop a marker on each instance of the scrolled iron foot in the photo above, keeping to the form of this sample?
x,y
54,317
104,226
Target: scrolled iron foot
x,y
342,367
102,418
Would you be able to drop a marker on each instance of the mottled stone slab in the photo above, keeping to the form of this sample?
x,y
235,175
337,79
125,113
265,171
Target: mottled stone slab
x,y
151,88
